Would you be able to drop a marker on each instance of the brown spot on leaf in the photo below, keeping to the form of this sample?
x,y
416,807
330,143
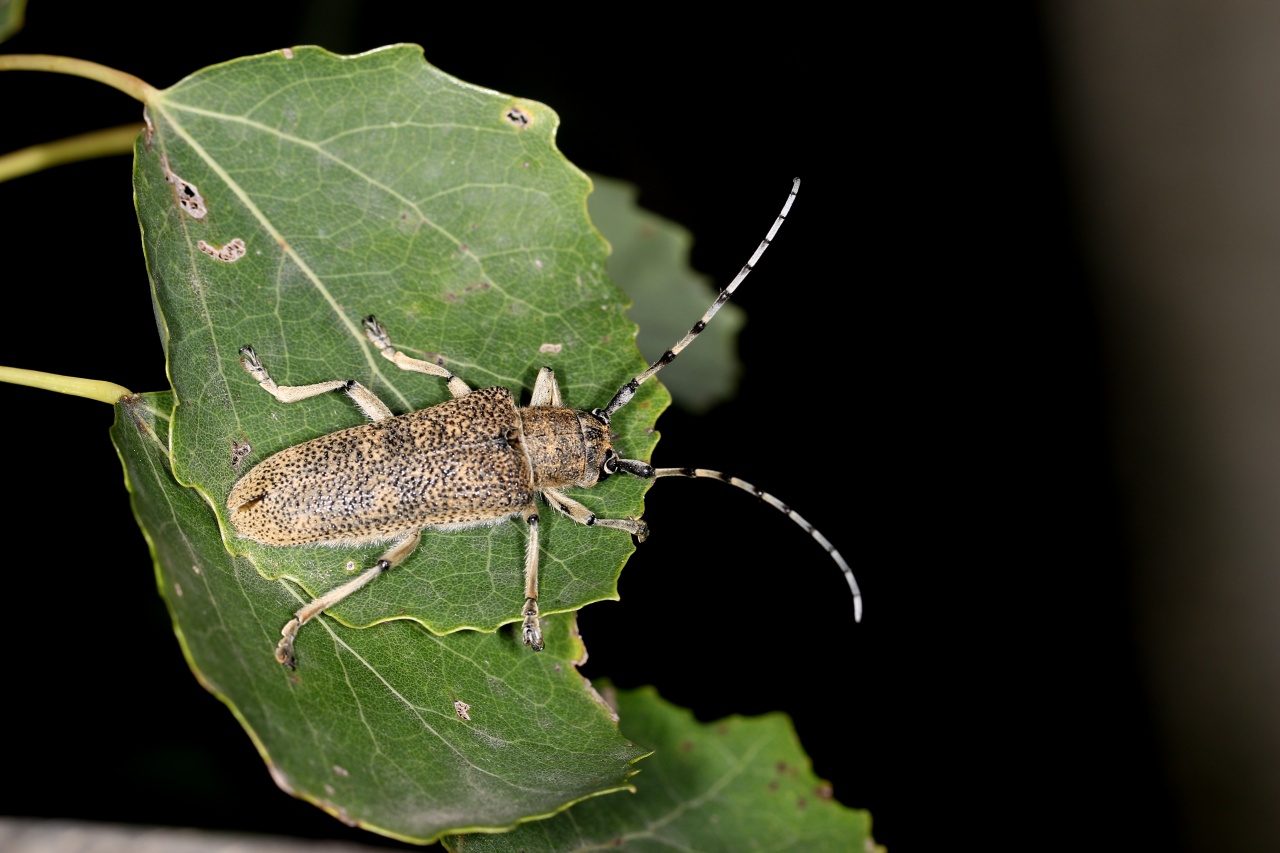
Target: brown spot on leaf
x,y
185,192
230,253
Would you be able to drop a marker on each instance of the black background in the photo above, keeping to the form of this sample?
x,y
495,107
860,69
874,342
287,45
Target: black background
x,y
923,381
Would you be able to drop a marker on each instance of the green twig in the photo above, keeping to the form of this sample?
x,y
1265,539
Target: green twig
x,y
86,146
94,389
132,86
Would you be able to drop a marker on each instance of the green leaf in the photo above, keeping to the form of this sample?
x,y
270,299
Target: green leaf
x,y
650,261
368,730
376,184
12,13
738,784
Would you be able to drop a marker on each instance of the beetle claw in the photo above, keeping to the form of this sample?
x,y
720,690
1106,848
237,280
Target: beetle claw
x,y
284,649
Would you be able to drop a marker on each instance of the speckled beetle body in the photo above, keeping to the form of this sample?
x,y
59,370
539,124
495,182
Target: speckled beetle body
x,y
467,462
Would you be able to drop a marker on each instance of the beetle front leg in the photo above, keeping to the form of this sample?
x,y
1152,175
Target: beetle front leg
x,y
393,557
584,516
530,629
546,391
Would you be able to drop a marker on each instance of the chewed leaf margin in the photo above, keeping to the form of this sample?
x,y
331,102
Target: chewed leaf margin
x,y
740,783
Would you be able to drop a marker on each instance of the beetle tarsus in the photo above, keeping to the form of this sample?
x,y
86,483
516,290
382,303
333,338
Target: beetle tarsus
x,y
284,649
376,333
250,362
532,633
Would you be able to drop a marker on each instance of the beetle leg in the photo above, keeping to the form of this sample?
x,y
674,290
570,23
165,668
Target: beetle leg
x,y
377,335
402,548
546,391
532,633
373,408
582,515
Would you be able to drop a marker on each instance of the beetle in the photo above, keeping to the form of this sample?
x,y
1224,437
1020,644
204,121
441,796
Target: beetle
x,y
477,459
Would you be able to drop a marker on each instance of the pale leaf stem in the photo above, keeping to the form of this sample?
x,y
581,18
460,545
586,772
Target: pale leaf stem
x,y
94,389
132,86
86,146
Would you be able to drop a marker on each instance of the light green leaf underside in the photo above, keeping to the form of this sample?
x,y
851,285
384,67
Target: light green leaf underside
x,y
368,728
376,184
736,785
650,261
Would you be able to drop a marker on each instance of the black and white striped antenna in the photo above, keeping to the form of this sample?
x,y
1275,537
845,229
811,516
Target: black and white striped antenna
x,y
643,469
626,392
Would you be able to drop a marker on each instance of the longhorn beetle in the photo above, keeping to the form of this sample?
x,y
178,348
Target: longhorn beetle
x,y
475,460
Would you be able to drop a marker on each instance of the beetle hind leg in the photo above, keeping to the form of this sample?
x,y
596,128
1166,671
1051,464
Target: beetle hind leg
x,y
402,548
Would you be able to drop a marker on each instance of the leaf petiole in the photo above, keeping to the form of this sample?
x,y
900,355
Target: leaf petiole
x,y
94,389
85,146
132,86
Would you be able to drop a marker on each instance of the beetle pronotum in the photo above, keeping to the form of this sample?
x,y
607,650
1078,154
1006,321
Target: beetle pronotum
x,y
477,459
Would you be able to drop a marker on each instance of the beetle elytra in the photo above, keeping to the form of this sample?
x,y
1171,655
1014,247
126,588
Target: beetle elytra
x,y
477,459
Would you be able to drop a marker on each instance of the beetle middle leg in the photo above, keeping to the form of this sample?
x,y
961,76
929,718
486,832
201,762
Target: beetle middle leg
x,y
377,335
402,548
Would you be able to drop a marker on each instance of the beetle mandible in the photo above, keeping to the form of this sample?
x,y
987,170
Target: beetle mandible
x,y
475,460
